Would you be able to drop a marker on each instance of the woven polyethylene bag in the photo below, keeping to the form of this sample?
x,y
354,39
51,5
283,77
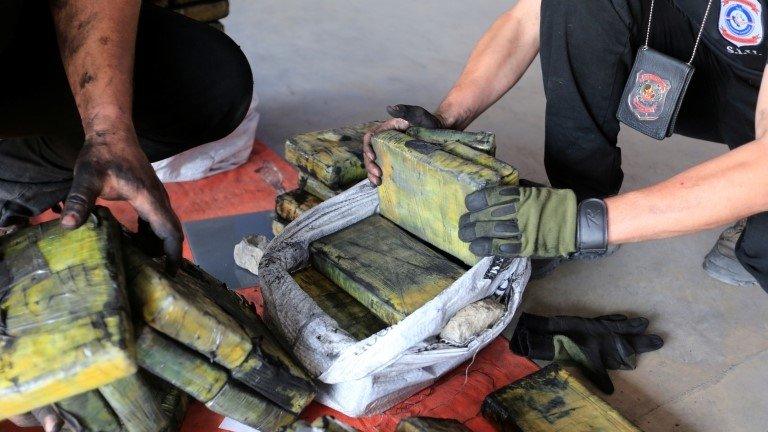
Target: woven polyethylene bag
x,y
368,376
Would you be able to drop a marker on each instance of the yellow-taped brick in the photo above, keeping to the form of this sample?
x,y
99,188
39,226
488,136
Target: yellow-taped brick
x,y
424,186
178,307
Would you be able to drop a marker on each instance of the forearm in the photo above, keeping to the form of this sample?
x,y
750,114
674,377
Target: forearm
x,y
714,193
497,62
97,43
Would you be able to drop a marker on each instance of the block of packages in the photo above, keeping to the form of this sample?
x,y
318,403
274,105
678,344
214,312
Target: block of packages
x,y
386,269
552,400
427,424
424,185
64,324
349,314
195,310
482,141
208,382
334,156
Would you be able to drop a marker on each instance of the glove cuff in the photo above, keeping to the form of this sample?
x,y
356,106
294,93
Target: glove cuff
x,y
592,228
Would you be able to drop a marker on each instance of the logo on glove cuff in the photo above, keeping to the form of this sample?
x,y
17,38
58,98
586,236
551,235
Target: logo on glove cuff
x,y
647,98
741,22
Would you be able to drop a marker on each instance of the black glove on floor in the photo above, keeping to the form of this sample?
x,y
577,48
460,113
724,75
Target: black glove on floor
x,y
596,345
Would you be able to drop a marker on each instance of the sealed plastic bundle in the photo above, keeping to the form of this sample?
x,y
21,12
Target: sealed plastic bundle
x,y
208,383
64,326
424,185
178,307
552,400
334,157
383,267
349,314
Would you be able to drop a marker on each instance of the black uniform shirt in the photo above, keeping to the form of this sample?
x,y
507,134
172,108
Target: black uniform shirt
x,y
735,30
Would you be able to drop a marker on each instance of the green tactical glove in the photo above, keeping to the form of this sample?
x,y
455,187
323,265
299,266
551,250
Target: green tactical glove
x,y
537,222
595,345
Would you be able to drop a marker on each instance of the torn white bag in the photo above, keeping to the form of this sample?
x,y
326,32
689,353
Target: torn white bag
x,y
212,158
366,377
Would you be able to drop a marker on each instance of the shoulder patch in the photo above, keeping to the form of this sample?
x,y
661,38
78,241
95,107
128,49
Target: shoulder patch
x,y
741,22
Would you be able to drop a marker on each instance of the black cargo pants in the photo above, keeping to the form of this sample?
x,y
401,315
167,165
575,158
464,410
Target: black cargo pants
x,y
192,85
587,51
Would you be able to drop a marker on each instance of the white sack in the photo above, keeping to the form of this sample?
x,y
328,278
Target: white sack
x,y
369,376
212,158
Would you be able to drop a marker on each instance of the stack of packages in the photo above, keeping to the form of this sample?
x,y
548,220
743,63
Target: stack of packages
x,y
207,11
114,342
378,271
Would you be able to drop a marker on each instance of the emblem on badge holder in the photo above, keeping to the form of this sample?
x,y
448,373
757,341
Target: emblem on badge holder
x,y
741,22
647,99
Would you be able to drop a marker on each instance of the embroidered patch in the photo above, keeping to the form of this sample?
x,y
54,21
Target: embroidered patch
x,y
741,22
647,98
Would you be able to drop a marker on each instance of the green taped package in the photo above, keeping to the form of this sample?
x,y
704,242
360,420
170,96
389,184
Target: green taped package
x,y
64,326
178,307
481,141
424,186
277,373
91,411
334,156
291,205
349,314
427,424
383,267
136,404
207,382
552,400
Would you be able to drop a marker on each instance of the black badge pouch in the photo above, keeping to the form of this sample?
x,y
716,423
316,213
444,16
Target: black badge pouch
x,y
654,93
656,87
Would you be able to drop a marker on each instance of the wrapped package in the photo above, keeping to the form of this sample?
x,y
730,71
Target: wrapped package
x,y
91,412
136,403
315,187
290,205
350,315
552,400
363,377
207,382
334,157
383,267
178,307
424,186
427,424
64,326
481,141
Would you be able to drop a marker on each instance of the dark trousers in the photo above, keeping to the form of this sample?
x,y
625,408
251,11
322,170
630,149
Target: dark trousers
x,y
192,85
587,51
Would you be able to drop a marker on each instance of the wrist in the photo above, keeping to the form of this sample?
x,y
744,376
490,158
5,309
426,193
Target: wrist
x,y
106,119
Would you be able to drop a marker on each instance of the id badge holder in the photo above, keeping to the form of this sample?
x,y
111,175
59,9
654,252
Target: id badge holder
x,y
654,93
656,87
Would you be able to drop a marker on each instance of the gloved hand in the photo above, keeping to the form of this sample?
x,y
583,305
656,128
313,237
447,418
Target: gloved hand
x,y
404,116
596,345
537,222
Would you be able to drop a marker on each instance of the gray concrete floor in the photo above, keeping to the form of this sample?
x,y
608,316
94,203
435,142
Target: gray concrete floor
x,y
327,63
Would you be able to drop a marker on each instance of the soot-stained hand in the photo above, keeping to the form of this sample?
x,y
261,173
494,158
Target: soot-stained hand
x,y
112,166
404,116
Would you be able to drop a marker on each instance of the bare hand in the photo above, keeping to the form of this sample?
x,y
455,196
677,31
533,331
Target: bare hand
x,y
112,166
405,116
